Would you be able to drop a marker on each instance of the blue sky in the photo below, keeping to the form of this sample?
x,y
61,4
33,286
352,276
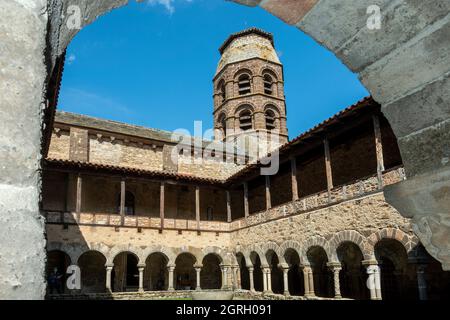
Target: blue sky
x,y
152,64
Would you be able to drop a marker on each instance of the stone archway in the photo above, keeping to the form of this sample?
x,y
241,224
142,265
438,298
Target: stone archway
x,y
93,272
57,262
404,65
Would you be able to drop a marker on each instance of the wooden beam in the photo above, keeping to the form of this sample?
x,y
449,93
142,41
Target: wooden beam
x,y
161,204
79,196
329,172
379,149
197,206
246,209
122,201
229,217
268,195
66,191
294,179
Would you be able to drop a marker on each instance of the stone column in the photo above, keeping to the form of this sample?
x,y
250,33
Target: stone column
x,y
421,282
306,279
198,270
141,268
265,286
234,270
336,268
311,282
268,280
238,278
251,276
109,269
286,281
223,268
171,269
373,282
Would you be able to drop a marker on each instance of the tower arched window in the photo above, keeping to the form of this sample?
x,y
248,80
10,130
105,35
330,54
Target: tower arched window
x,y
244,84
268,84
129,203
222,121
245,120
270,120
222,90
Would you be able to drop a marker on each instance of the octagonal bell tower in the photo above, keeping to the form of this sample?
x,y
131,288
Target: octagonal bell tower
x,y
249,90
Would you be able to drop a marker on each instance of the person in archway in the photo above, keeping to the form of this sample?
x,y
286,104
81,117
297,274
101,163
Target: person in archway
x,y
55,281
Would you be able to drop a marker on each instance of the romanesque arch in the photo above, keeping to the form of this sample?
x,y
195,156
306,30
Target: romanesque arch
x,y
93,275
353,237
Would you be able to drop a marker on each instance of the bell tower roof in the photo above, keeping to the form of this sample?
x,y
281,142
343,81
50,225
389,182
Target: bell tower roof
x,y
248,44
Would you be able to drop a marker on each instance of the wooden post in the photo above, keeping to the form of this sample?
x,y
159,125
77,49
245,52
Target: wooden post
x,y
122,201
161,204
268,196
246,209
326,145
294,179
229,219
379,150
66,192
79,195
197,206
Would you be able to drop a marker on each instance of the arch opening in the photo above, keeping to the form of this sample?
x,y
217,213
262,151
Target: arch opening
x,y
125,274
353,275
318,260
211,273
257,272
156,275
295,275
93,274
244,272
185,274
275,272
57,264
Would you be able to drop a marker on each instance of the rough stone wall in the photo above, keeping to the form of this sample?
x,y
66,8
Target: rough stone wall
x,y
125,154
23,27
365,216
59,145
207,168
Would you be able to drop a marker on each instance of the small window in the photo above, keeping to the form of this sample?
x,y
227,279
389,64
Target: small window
x,y
245,120
268,84
244,84
270,120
